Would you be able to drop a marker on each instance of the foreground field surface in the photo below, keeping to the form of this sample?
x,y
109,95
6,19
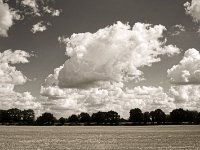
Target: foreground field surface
x,y
101,137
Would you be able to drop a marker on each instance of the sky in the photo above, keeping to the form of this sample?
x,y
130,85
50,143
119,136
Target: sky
x,y
72,56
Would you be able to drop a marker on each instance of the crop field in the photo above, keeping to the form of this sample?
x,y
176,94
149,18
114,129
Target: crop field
x,y
99,137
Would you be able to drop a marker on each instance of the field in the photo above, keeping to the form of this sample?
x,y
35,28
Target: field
x,y
99,137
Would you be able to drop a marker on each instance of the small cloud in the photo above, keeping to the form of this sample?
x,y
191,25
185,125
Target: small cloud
x,y
198,31
39,27
32,4
176,30
51,11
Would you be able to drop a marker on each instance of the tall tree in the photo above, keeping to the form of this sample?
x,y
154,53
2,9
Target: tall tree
x,y
152,116
197,120
28,116
15,115
190,116
136,115
73,119
84,117
46,119
160,116
62,121
146,117
178,115
112,117
99,117
4,117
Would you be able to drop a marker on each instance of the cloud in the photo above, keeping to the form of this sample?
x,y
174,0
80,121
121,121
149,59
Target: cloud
x,y
8,73
39,27
6,19
112,53
186,79
51,11
98,64
193,9
32,4
11,12
186,96
198,31
176,30
107,96
188,70
10,77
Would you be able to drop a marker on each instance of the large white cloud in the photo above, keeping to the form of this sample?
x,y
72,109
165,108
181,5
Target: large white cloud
x,y
186,79
186,96
188,70
10,77
107,96
193,9
6,19
98,63
112,53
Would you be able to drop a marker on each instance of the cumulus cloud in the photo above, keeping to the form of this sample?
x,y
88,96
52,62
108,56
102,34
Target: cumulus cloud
x,y
112,53
98,64
186,96
11,11
177,29
6,19
107,96
39,27
188,70
186,79
193,9
10,77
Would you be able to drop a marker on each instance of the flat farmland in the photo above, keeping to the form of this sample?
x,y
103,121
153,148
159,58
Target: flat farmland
x,y
100,137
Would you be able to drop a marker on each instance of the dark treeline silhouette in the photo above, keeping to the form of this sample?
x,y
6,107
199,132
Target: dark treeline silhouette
x,y
137,117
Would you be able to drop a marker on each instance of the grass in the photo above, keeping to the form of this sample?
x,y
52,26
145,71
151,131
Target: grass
x,y
100,137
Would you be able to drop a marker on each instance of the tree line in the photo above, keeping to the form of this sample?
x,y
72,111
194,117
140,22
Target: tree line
x,y
16,116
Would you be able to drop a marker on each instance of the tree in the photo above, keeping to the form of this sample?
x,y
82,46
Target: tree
x,y
46,119
15,115
136,115
197,120
84,117
177,115
146,117
160,116
4,117
190,116
28,116
112,117
168,118
99,117
73,118
62,121
152,116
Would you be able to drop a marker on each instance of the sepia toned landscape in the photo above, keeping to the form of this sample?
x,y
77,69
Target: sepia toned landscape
x,y
99,74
